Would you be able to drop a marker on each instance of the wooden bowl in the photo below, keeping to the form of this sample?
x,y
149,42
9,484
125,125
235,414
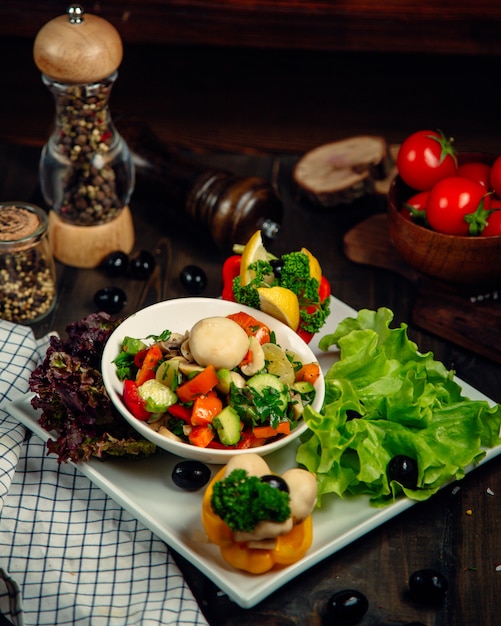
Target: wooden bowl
x,y
461,264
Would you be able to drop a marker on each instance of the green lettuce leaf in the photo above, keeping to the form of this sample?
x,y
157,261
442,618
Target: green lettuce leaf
x,y
384,398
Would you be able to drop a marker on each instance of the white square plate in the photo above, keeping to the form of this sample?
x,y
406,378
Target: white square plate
x,y
146,490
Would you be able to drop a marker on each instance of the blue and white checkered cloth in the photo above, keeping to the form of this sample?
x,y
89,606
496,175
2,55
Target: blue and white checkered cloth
x,y
68,553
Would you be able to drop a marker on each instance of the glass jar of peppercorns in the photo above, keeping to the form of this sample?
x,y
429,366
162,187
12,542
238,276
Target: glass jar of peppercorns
x,y
86,169
27,270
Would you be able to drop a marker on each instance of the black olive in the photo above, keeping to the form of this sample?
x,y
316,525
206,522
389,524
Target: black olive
x,y
115,264
190,475
351,414
278,266
404,470
428,586
193,279
142,265
275,481
347,607
110,299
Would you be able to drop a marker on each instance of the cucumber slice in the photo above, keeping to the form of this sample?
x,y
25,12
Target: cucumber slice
x,y
224,377
157,397
303,387
227,424
260,382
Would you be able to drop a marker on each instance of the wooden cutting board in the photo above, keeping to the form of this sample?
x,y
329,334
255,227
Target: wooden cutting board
x,y
471,322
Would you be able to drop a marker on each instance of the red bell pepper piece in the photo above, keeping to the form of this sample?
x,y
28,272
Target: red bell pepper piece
x,y
324,289
134,402
151,359
252,326
181,411
139,358
247,440
231,269
267,432
201,436
305,335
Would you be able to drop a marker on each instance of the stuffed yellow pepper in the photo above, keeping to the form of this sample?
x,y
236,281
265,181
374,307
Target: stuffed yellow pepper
x,y
258,519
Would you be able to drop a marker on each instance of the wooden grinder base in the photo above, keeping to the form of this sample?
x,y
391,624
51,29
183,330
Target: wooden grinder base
x,y
87,246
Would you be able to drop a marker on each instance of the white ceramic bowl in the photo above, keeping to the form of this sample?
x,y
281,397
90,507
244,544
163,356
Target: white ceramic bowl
x,y
180,315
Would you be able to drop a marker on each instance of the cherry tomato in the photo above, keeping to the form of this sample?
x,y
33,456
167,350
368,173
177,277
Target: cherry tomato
x,y
495,177
451,199
424,158
476,171
413,209
493,221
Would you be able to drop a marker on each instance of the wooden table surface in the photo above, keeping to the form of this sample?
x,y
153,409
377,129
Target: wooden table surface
x,y
438,533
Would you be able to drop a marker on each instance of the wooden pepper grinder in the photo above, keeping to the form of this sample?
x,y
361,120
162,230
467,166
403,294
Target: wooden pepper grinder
x,y
86,169
228,207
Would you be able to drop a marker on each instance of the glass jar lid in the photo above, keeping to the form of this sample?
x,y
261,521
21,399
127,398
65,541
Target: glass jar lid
x,y
21,224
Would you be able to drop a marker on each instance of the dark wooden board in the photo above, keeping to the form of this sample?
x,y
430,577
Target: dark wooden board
x,y
473,322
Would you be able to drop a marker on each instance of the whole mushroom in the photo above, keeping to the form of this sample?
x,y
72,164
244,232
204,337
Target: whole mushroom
x,y
218,341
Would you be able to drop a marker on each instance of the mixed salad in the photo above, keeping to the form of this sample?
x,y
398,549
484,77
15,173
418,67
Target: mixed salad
x,y
226,383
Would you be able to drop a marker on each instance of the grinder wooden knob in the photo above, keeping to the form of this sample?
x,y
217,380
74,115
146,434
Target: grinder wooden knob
x,y
77,48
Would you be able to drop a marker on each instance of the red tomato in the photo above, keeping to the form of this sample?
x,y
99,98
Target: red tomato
x,y
424,158
495,177
201,436
200,384
476,171
450,200
493,227
252,326
413,209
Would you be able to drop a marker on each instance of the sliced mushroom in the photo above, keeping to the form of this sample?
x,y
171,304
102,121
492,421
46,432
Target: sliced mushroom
x,y
172,345
188,367
165,432
185,350
257,360
263,544
297,406
238,380
264,530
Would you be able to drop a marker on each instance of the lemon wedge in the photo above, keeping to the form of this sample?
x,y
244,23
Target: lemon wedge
x,y
315,269
253,251
280,303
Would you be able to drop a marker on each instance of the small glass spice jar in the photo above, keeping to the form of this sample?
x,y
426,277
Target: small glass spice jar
x,y
27,269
